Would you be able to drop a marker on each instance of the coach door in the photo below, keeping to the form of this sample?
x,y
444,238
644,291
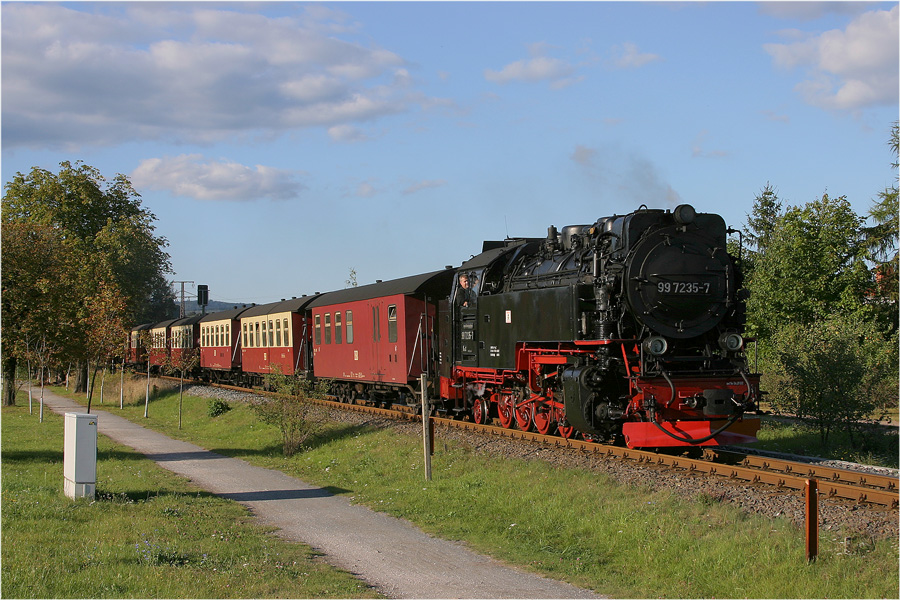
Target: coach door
x,y
379,337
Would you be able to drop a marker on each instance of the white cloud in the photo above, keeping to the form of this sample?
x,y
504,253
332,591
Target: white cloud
x,y
125,72
538,68
424,185
628,56
201,178
365,190
808,11
346,133
847,69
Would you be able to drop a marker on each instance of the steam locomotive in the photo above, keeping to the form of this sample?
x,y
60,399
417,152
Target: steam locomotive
x,y
627,329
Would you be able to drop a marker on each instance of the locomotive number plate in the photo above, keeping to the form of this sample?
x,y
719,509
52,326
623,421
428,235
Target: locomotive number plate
x,y
682,287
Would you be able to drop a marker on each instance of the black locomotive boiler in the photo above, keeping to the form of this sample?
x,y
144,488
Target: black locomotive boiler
x,y
629,328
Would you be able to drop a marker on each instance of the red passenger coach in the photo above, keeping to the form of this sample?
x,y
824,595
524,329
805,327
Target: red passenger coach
x,y
220,344
375,341
160,343
275,335
184,337
137,350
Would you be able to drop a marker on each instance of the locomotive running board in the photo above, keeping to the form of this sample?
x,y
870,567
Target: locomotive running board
x,y
647,435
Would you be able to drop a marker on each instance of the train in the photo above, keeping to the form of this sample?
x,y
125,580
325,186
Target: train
x,y
626,330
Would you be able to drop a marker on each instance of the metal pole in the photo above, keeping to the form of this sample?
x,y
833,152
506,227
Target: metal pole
x,y
122,385
812,520
147,398
426,425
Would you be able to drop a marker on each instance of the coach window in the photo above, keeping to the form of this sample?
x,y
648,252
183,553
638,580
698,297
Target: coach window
x,y
278,332
271,334
256,343
246,340
376,323
318,330
327,328
392,323
287,337
349,326
226,340
337,328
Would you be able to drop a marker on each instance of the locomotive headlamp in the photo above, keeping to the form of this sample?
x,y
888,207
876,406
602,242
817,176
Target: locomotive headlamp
x,y
732,342
685,214
656,345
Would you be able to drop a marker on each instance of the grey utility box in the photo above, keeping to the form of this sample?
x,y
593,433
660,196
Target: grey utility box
x,y
80,461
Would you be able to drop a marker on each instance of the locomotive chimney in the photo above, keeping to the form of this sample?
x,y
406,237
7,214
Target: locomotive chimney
x,y
552,243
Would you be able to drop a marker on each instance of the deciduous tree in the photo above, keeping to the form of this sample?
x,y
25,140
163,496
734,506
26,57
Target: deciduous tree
x,y
813,266
109,249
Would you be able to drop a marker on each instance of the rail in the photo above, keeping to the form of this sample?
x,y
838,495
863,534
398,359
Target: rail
x,y
856,486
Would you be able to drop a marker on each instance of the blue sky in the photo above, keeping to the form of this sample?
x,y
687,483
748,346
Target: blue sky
x,y
282,144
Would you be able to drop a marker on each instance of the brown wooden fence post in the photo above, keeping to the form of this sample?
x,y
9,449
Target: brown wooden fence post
x,y
812,520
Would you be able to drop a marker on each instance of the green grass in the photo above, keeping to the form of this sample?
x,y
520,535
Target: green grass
x,y
568,524
149,534
877,447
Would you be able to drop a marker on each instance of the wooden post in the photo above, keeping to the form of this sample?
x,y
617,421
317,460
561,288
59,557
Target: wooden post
x,y
812,520
427,431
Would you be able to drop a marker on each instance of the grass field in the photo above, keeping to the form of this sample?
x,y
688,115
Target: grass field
x,y
567,524
149,534
878,447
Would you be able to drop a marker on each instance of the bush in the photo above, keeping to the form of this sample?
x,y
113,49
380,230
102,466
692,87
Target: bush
x,y
216,407
290,410
838,373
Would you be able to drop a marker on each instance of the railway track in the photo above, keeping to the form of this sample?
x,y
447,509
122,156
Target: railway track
x,y
845,484
835,483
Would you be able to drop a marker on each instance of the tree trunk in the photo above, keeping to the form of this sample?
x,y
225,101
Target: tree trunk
x,y
9,380
81,378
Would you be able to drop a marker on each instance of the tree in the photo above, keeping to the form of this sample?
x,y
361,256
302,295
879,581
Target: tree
x,y
38,295
181,361
110,247
813,266
834,373
882,242
105,327
763,220
351,280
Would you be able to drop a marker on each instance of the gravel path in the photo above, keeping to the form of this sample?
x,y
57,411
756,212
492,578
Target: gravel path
x,y
388,553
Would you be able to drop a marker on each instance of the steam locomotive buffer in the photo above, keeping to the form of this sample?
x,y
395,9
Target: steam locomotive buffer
x,y
627,329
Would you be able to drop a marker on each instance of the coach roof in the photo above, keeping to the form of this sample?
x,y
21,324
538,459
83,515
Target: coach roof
x,y
436,283
225,315
292,305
